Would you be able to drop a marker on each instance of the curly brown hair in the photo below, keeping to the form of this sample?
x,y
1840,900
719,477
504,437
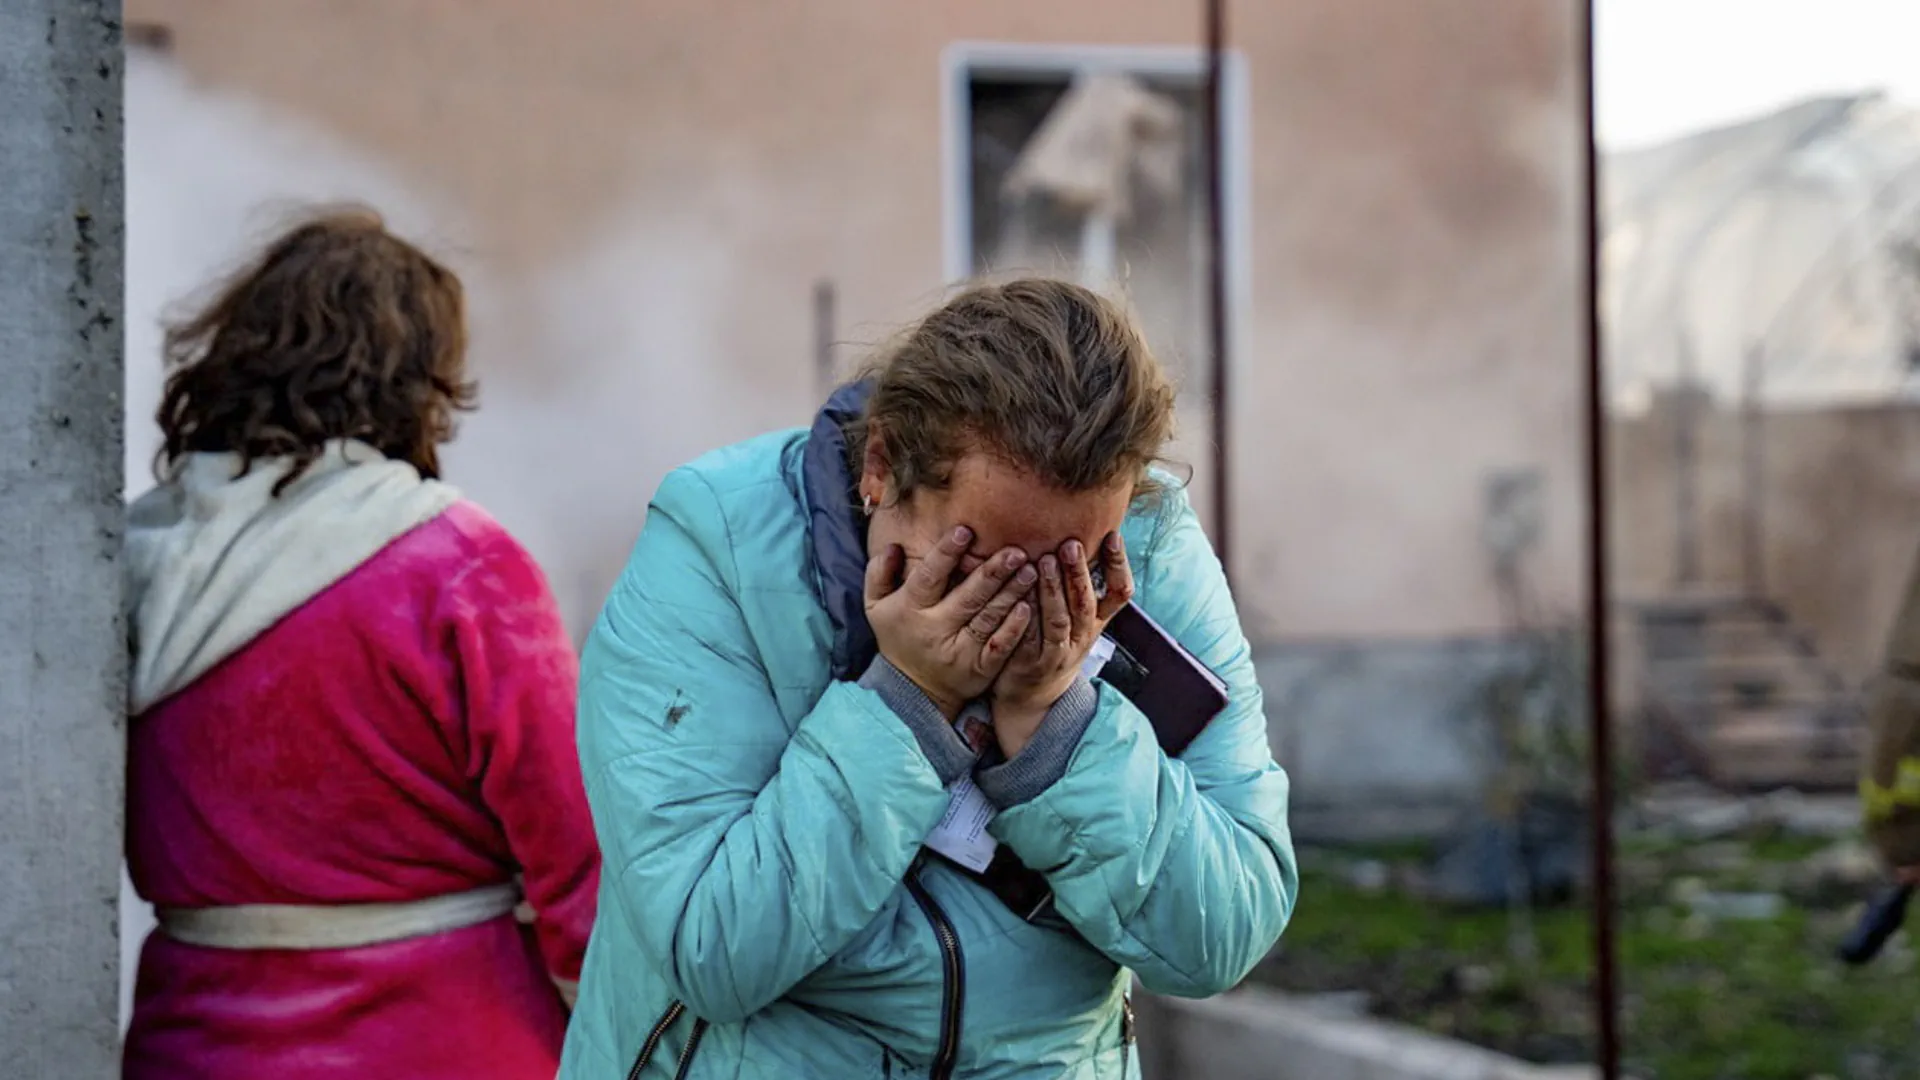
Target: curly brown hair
x,y
337,330
1048,375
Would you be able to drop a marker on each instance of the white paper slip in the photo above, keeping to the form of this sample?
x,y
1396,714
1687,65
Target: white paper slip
x,y
962,835
1098,656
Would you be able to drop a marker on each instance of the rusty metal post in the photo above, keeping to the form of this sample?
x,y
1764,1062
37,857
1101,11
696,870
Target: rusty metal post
x,y
824,297
1686,453
1754,472
1606,996
1217,282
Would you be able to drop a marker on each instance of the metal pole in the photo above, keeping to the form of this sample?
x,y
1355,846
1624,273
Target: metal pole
x,y
823,311
1606,999
1686,556
1754,447
1217,282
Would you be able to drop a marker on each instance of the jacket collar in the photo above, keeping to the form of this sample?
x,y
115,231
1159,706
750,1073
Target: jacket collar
x,y
838,532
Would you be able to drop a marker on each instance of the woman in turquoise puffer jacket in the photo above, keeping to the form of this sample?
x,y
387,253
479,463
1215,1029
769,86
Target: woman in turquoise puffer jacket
x,y
767,730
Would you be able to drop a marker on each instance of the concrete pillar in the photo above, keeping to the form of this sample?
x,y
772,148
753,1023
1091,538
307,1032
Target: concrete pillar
x,y
62,638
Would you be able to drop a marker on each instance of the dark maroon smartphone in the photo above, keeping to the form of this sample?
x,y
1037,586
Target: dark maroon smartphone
x,y
1178,694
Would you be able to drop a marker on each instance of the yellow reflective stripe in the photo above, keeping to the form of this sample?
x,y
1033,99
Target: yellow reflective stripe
x,y
1878,802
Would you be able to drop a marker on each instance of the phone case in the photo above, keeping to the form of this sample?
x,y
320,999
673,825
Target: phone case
x,y
1178,694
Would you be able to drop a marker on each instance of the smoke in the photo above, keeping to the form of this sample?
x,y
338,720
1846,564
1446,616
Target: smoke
x,y
209,178
617,378
598,371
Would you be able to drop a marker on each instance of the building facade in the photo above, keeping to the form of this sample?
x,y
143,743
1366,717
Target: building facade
x,y
644,196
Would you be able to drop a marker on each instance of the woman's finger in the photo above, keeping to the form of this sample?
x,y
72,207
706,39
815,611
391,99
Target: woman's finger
x,y
1000,647
1119,574
883,574
1030,642
972,596
1082,602
990,618
1056,622
928,581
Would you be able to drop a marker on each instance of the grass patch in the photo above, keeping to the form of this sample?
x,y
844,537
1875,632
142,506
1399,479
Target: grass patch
x,y
1746,999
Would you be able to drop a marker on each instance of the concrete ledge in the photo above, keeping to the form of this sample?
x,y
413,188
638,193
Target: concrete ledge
x,y
1258,1034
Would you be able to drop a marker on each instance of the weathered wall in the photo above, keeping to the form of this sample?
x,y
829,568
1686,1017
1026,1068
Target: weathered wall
x,y
62,650
1384,736
1840,523
649,189
1382,739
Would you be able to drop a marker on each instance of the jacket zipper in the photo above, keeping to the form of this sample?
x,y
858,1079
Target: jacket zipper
x,y
653,1039
1126,1033
686,1052
954,986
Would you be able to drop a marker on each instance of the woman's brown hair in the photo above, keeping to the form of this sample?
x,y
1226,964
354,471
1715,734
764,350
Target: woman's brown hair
x,y
1045,374
338,330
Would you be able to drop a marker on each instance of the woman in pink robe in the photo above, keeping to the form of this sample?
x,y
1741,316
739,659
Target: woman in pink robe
x,y
351,735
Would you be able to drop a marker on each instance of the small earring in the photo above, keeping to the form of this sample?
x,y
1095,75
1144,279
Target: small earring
x,y
866,505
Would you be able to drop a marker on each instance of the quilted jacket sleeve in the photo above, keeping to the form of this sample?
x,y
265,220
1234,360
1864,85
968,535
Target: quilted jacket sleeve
x,y
1180,869
743,850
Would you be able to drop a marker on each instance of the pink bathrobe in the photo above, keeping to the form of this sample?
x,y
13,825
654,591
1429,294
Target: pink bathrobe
x,y
405,732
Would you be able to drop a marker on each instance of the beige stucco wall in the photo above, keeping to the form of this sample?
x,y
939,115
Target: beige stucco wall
x,y
643,193
1839,526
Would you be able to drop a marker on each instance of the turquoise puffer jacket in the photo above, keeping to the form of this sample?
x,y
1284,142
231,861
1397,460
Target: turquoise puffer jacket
x,y
766,909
